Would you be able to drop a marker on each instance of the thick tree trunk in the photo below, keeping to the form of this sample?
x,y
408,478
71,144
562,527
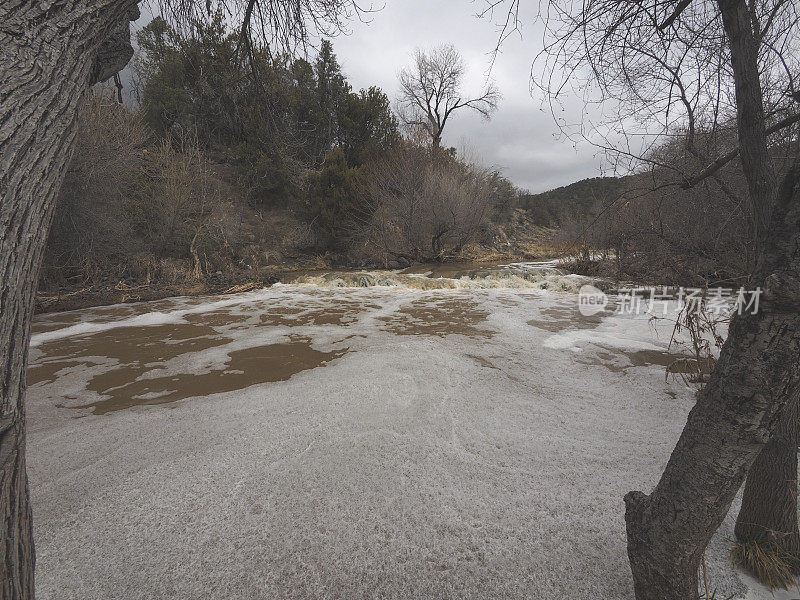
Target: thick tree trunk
x,y
729,427
769,504
757,372
48,53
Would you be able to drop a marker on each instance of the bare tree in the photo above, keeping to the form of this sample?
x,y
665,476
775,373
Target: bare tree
x,y
50,52
430,91
424,205
675,66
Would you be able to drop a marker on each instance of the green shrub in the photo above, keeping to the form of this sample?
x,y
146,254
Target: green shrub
x,y
336,201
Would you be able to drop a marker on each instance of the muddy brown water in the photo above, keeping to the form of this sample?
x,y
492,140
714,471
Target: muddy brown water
x,y
251,366
439,317
674,363
131,366
139,353
340,312
115,312
128,366
155,343
560,318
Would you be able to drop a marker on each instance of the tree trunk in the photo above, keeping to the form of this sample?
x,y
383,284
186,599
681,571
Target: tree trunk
x,y
769,504
49,53
756,375
729,427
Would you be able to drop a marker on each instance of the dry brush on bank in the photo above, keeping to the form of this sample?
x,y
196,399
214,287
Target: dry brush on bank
x,y
424,205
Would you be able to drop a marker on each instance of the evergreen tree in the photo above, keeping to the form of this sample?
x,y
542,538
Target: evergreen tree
x,y
332,91
336,200
367,126
270,116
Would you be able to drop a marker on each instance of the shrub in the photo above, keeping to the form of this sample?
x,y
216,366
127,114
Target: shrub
x,y
425,205
126,196
336,201
91,235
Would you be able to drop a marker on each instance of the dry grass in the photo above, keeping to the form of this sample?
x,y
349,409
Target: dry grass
x,y
767,562
244,287
520,243
478,253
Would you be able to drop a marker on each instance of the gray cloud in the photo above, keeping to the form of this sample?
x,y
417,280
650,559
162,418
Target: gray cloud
x,y
522,138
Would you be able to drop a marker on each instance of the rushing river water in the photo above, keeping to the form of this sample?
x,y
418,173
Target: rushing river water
x,y
458,432
149,353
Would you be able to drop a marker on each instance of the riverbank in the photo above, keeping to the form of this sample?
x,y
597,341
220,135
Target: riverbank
x,y
517,240
223,284
104,294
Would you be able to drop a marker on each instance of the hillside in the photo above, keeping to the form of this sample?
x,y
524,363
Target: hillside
x,y
572,201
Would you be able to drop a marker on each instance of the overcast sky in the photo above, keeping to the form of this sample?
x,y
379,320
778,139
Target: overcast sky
x,y
521,139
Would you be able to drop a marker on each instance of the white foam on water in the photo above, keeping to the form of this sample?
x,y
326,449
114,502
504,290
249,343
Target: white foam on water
x,y
469,458
88,328
150,319
519,276
534,276
625,341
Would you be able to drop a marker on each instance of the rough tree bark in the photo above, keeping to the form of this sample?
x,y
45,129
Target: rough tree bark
x,y
728,428
769,504
757,372
49,53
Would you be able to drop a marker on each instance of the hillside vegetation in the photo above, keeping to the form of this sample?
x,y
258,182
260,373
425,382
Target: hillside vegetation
x,y
236,168
574,202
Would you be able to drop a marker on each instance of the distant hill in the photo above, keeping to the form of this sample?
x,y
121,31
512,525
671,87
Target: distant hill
x,y
571,202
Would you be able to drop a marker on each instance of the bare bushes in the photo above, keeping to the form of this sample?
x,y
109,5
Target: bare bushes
x,y
424,205
657,230
171,201
91,233
131,208
137,209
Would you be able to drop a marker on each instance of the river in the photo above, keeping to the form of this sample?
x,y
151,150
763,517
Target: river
x,y
453,433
